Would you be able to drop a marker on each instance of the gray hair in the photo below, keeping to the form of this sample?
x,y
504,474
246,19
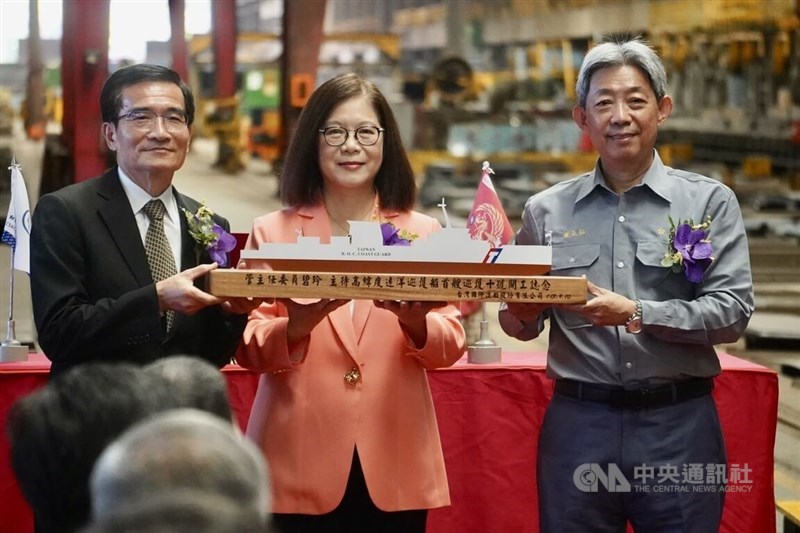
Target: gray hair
x,y
179,511
195,383
634,52
180,449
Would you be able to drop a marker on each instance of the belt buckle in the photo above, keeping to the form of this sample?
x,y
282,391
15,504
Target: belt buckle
x,y
637,398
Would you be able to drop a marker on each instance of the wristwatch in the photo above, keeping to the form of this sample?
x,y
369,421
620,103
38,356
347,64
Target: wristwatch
x,y
634,323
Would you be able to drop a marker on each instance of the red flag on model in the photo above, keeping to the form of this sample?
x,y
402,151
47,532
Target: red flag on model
x,y
488,220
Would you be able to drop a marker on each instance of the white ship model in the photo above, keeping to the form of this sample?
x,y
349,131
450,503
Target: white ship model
x,y
449,252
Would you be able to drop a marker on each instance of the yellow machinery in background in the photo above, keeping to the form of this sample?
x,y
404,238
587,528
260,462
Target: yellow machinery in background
x,y
260,108
262,139
220,117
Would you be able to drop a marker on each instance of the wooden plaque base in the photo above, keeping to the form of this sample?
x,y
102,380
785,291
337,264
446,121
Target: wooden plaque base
x,y
372,286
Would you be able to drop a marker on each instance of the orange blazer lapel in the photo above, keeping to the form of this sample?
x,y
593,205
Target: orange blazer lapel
x,y
343,327
361,314
314,221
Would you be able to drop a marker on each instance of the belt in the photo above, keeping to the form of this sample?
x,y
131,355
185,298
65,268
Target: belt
x,y
642,398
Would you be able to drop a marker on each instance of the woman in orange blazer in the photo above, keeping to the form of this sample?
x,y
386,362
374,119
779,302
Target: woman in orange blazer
x,y
343,412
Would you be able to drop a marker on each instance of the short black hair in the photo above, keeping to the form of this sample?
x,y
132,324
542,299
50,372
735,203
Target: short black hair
x,y
57,433
111,94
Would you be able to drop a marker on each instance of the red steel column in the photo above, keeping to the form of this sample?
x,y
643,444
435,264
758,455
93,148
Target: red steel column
x,y
84,68
180,54
223,16
302,39
35,121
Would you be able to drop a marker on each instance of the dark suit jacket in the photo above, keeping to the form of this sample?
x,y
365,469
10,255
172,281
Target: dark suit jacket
x,y
93,295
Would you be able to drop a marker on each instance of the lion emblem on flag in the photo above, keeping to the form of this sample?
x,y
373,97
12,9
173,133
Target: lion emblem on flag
x,y
486,223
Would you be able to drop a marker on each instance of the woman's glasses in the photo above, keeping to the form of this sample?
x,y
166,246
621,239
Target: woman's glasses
x,y
365,135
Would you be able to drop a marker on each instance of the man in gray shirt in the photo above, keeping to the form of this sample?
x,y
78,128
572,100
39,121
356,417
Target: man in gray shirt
x,y
632,433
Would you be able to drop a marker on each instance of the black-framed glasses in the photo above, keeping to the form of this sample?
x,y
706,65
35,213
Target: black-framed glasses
x,y
145,119
365,135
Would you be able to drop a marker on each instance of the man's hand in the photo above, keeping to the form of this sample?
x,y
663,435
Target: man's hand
x,y
520,320
178,293
526,312
607,308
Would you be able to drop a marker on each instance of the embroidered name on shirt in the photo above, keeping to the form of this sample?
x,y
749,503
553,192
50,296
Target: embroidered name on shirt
x,y
574,233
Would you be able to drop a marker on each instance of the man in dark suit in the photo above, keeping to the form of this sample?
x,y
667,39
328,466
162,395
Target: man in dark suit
x,y
94,296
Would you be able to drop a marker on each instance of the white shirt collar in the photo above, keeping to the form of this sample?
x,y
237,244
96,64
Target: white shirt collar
x,y
138,197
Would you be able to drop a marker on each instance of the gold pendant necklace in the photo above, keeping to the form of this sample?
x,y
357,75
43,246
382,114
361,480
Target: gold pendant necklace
x,y
345,229
374,211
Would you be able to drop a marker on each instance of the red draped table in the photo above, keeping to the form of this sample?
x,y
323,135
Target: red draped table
x,y
489,418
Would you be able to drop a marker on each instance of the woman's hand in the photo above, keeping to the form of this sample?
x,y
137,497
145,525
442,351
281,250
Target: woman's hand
x,y
303,317
243,305
411,316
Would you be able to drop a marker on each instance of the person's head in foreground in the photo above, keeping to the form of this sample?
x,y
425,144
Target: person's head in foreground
x,y
57,433
195,382
180,449
179,511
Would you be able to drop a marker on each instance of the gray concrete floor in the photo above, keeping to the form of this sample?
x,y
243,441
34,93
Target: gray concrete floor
x,y
252,192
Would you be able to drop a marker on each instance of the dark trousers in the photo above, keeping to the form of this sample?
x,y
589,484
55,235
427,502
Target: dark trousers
x,y
588,451
355,513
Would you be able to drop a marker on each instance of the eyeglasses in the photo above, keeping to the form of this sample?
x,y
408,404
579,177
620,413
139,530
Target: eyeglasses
x,y
145,119
365,135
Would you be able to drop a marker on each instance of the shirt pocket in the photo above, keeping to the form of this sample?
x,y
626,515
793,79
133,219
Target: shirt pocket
x,y
655,281
650,253
574,260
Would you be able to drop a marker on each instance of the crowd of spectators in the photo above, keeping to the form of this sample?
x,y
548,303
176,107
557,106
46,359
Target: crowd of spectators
x,y
117,447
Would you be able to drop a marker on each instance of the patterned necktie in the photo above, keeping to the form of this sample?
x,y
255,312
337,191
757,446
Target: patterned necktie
x,y
159,253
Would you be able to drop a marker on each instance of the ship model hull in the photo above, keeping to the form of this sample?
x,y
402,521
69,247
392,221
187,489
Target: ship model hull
x,y
447,266
439,268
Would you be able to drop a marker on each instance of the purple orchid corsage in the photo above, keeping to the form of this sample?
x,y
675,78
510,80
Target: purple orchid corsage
x,y
396,237
219,248
209,236
689,249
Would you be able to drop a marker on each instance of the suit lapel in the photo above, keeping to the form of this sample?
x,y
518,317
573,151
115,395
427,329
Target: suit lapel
x,y
190,255
115,212
364,309
314,222
343,328
360,316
